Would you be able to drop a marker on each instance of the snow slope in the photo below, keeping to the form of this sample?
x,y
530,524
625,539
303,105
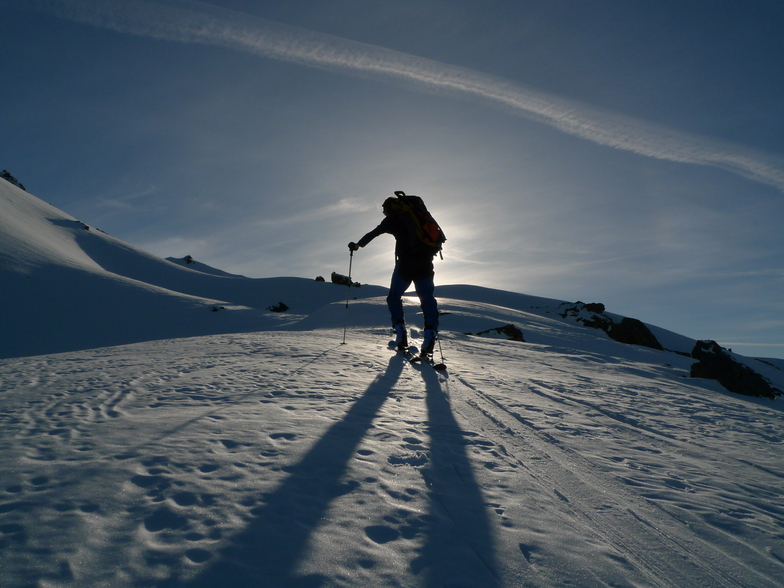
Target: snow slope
x,y
69,286
275,455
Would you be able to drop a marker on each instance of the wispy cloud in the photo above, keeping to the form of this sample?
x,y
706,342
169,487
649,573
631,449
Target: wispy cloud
x,y
190,21
319,213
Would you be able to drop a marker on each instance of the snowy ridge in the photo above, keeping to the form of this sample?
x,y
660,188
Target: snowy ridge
x,y
70,286
267,453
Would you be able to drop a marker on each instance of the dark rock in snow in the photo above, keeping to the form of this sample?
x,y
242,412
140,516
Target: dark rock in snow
x,y
590,315
633,332
343,280
9,178
509,331
716,364
280,307
320,279
630,331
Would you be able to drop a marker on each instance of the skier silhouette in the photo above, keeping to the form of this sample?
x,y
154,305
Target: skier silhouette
x,y
413,263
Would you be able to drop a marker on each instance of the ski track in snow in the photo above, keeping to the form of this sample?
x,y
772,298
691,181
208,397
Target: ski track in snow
x,y
288,459
632,482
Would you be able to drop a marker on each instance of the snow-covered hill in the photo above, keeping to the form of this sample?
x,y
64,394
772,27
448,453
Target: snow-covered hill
x,y
69,286
242,447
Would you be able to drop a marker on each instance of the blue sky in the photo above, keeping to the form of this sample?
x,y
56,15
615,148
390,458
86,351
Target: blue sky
x,y
620,152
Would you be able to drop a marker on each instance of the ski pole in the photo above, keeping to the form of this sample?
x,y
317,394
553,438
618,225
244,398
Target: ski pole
x,y
442,365
348,295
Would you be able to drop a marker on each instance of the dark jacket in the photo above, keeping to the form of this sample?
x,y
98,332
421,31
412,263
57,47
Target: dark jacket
x,y
413,263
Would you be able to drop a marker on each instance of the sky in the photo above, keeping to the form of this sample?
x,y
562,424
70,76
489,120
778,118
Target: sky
x,y
615,152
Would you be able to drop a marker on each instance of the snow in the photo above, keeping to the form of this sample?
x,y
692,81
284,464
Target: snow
x,y
148,440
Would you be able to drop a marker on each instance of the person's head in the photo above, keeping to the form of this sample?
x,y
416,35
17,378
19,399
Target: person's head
x,y
387,206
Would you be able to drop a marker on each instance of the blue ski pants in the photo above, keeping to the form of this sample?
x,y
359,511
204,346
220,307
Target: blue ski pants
x,y
424,288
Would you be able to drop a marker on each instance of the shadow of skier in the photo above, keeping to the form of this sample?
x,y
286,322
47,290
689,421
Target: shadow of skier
x,y
459,548
268,551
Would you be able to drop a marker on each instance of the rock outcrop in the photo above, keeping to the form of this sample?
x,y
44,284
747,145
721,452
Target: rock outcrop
x,y
510,332
630,331
717,364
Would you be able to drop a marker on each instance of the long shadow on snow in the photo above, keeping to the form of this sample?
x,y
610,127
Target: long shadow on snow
x,y
459,548
267,552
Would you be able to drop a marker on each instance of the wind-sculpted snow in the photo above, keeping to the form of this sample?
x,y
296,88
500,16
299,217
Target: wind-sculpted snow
x,y
289,459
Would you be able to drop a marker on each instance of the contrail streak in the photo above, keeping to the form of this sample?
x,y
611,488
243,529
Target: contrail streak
x,y
190,21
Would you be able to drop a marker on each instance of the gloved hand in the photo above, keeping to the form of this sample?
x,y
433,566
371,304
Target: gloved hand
x,y
353,246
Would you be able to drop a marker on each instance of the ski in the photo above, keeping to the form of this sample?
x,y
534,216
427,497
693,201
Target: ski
x,y
414,358
420,359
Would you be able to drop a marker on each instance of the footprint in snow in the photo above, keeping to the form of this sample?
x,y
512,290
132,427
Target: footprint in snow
x,y
406,496
198,555
231,444
528,552
381,534
154,484
164,518
402,524
185,498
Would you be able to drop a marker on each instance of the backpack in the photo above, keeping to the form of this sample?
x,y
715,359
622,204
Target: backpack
x,y
423,231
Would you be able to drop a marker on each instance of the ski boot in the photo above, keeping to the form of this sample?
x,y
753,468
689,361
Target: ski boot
x,y
428,344
401,337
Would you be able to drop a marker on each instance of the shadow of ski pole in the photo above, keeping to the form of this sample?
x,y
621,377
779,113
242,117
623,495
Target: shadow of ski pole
x,y
459,549
267,552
